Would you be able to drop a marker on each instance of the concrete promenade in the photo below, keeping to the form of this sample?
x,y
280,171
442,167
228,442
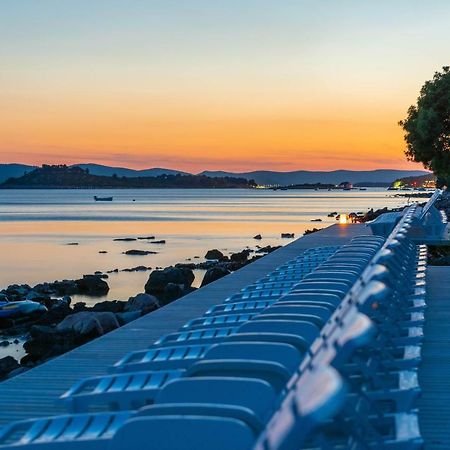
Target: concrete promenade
x,y
434,372
33,393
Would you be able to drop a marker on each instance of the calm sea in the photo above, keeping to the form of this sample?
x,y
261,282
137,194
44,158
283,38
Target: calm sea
x,y
36,227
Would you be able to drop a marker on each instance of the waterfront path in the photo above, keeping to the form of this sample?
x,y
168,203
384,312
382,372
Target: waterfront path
x,y
434,373
33,393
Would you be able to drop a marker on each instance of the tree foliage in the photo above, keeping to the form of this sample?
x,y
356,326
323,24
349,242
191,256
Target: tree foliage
x,y
427,126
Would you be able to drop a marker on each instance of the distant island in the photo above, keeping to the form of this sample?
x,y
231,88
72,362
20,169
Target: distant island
x,y
64,177
359,178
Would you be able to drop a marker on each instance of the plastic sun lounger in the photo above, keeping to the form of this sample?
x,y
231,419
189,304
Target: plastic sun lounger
x,y
321,312
197,336
239,307
272,362
296,333
269,294
119,431
351,277
317,398
225,320
156,357
123,391
167,426
311,297
245,399
269,285
133,390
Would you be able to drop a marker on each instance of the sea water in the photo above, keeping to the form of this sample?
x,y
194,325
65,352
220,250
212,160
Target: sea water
x,y
37,226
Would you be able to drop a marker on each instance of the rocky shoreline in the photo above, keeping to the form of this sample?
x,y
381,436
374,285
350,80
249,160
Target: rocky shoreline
x,y
52,325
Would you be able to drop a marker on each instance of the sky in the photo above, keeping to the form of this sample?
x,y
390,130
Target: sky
x,y
213,84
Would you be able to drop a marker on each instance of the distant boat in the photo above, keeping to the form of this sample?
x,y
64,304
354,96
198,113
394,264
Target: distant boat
x,y
103,199
362,189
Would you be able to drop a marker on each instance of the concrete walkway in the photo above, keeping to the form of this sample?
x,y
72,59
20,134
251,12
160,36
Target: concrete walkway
x,y
33,393
434,373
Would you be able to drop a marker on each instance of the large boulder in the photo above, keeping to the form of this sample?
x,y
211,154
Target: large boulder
x,y
92,285
159,279
57,312
240,257
17,292
89,323
143,303
63,287
114,306
214,274
172,292
214,254
7,365
37,297
127,317
47,342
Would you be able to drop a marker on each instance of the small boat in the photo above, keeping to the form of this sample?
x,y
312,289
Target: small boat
x,y
103,199
20,308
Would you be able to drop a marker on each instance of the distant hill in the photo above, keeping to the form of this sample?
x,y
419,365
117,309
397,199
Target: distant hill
x,y
107,171
64,177
381,177
13,170
310,177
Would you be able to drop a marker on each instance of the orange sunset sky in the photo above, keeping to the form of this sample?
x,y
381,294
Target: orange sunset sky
x,y
196,85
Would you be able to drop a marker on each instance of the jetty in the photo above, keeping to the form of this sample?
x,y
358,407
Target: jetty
x,y
340,339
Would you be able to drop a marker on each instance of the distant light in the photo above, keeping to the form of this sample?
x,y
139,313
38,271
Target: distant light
x,y
343,218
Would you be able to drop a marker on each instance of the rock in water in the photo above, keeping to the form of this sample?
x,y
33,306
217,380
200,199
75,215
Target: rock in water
x,y
92,285
214,274
214,254
127,317
287,235
89,323
240,256
114,306
159,279
257,237
172,292
268,249
139,252
144,303
7,365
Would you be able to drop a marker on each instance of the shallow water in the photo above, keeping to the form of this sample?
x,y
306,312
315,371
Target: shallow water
x,y
36,227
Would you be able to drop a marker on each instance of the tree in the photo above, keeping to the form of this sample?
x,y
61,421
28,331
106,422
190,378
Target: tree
x,y
427,127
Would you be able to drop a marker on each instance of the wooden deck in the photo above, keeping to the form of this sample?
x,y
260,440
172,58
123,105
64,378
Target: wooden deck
x,y
33,393
434,373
